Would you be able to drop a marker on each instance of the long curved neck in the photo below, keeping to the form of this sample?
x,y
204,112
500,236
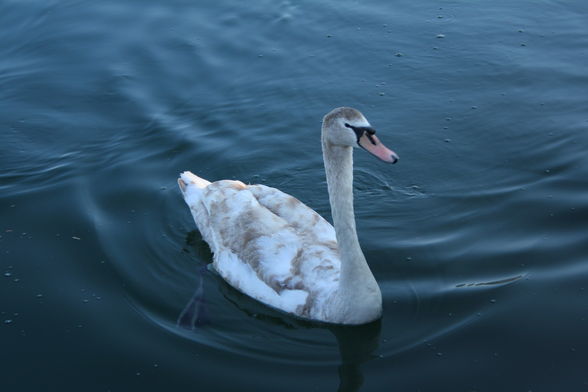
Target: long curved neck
x,y
356,283
339,170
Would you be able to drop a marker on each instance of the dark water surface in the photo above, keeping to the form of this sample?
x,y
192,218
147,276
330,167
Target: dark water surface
x,y
478,237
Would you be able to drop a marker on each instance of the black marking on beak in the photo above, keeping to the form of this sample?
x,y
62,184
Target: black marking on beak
x,y
359,131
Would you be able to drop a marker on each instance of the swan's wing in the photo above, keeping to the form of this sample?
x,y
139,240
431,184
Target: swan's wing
x,y
270,246
319,264
298,215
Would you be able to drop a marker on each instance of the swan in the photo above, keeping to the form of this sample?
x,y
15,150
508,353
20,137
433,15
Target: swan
x,y
270,246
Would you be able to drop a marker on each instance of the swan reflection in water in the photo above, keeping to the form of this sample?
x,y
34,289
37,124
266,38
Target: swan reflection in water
x,y
356,344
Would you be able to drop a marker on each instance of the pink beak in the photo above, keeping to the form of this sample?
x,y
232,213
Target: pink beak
x,y
373,145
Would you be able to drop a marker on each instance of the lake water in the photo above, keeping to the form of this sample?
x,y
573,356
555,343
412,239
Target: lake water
x,y
478,237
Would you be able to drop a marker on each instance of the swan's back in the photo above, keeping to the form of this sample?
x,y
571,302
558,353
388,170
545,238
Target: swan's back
x,y
267,244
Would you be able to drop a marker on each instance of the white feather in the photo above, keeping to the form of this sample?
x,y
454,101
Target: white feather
x,y
266,244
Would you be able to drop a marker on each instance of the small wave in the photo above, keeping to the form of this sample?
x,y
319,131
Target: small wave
x,y
500,282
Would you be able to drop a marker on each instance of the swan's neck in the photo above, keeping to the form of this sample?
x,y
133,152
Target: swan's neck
x,y
358,290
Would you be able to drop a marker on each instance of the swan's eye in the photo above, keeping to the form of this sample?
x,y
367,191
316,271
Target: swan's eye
x,y
360,131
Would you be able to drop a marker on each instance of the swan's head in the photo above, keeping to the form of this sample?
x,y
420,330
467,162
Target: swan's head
x,y
347,127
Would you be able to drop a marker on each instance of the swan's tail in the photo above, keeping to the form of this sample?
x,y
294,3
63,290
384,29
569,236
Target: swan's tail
x,y
191,186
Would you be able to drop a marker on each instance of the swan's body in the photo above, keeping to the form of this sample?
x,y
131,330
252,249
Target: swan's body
x,y
272,247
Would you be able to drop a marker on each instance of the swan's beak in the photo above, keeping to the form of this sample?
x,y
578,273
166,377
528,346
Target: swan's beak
x,y
373,145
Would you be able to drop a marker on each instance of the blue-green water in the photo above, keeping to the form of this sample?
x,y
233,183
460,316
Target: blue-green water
x,y
478,237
